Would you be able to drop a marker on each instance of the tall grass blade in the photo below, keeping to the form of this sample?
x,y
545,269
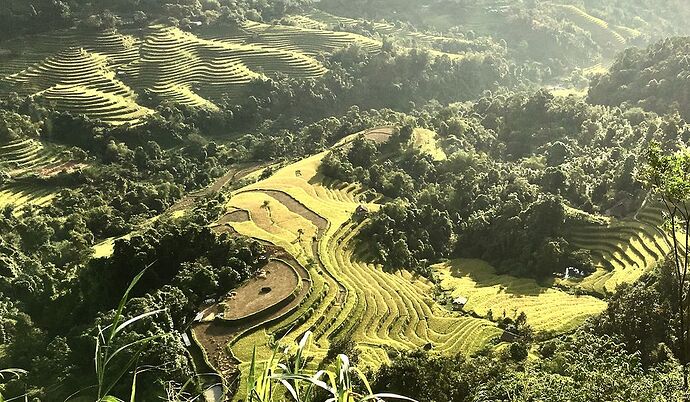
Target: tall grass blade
x,y
137,318
123,302
250,377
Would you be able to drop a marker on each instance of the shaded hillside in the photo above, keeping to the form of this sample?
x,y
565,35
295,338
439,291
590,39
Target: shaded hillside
x,y
656,78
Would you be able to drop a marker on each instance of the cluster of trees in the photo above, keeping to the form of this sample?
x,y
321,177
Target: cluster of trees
x,y
14,126
52,308
134,185
396,78
514,163
408,236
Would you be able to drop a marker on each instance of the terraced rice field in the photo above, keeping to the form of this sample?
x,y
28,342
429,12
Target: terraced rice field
x,y
263,293
547,308
25,155
304,40
73,66
349,298
81,82
604,34
249,308
478,19
319,20
119,48
23,159
19,195
322,20
313,222
102,74
623,249
174,61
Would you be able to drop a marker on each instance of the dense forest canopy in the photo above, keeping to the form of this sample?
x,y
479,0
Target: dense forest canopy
x,y
654,78
465,199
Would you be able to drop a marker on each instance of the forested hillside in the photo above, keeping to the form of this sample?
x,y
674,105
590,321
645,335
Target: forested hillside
x,y
438,200
654,79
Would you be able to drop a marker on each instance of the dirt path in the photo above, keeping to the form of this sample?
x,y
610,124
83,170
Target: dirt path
x,y
233,174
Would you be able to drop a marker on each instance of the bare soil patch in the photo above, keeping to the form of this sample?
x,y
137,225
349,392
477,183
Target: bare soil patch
x,y
379,135
298,208
261,292
234,216
214,336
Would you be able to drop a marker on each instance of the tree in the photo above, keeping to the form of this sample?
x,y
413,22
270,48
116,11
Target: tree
x,y
426,377
668,178
197,279
400,255
557,153
267,206
363,152
13,126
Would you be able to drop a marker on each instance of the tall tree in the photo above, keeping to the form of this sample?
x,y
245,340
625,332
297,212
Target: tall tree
x,y
668,177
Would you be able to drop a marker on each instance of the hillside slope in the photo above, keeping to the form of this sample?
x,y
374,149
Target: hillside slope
x,y
103,75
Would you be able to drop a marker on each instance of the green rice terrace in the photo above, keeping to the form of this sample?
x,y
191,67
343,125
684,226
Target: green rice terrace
x,y
343,296
624,249
25,159
101,75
